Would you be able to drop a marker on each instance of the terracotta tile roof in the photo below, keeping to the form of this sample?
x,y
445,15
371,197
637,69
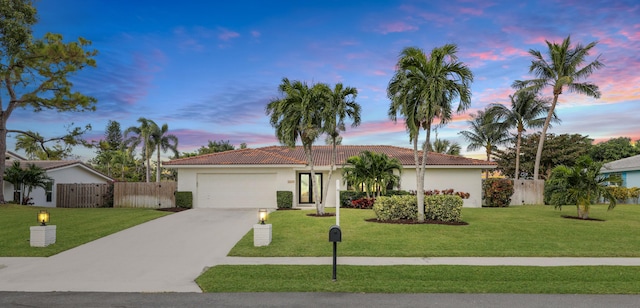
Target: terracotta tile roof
x,y
282,155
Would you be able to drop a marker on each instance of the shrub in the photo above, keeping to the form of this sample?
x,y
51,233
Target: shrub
x,y
445,208
620,193
449,191
284,199
634,193
362,203
184,199
396,207
497,192
346,196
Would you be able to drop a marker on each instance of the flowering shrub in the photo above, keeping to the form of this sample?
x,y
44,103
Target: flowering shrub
x,y
448,192
497,192
363,203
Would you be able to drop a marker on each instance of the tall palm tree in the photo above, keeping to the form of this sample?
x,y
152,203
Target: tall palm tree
x,y
484,133
445,147
421,91
527,111
340,105
141,135
298,115
562,69
163,141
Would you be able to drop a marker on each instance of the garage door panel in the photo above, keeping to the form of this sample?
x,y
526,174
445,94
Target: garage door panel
x,y
231,190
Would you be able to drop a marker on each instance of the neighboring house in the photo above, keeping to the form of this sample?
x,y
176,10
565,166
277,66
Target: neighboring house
x,y
627,168
249,178
60,171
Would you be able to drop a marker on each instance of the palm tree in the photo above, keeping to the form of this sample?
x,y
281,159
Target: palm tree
x,y
15,175
484,133
421,90
339,106
298,116
372,172
527,111
445,147
142,135
563,69
581,184
34,176
163,141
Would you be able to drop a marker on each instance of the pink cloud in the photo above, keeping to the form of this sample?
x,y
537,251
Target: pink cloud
x,y
255,34
226,34
395,27
471,11
379,73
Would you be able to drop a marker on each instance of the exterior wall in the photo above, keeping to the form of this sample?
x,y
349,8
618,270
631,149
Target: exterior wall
x,y
72,174
188,178
459,179
633,178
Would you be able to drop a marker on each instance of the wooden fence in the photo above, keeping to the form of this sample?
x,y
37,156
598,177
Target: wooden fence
x,y
147,195
82,195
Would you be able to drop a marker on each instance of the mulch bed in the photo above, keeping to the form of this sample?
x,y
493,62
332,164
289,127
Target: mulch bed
x,y
415,222
173,209
578,218
325,215
288,209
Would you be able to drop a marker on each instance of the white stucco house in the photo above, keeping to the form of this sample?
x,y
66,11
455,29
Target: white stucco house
x,y
249,178
60,171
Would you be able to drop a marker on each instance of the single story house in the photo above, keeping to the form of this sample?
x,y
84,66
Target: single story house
x,y
249,178
628,169
60,171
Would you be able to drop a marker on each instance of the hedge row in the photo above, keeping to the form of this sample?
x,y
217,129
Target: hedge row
x,y
437,207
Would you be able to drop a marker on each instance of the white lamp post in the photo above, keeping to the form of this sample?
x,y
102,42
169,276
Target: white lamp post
x,y
42,235
262,231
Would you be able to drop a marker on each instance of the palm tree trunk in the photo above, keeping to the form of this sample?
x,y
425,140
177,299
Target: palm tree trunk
x,y
314,186
158,165
419,181
333,164
486,172
517,174
543,135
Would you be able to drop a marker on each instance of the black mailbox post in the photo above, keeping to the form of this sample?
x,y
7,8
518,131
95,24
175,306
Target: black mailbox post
x,y
335,236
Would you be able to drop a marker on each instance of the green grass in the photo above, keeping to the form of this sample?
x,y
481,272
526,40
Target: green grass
x,y
422,279
74,227
523,231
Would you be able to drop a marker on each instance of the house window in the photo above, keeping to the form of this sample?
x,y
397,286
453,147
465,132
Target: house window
x,y
305,188
48,190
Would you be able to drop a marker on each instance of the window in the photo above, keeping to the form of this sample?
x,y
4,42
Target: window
x,y
306,190
48,190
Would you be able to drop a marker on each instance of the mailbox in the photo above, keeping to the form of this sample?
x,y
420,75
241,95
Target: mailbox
x,y
335,234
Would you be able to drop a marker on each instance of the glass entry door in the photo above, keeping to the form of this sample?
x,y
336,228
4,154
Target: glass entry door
x,y
305,189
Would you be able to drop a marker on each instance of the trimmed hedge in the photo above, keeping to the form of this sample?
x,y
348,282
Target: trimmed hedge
x,y
445,208
396,207
184,199
497,192
284,199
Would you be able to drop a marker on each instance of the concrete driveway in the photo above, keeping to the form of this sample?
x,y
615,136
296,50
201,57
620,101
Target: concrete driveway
x,y
163,255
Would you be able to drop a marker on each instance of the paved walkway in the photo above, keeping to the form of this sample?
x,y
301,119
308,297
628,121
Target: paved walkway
x,y
167,254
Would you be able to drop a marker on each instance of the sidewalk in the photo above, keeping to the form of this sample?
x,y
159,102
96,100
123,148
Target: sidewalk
x,y
481,261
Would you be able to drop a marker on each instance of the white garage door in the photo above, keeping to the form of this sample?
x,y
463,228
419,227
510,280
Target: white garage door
x,y
226,190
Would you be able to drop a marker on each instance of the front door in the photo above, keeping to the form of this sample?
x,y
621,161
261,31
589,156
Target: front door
x,y
305,195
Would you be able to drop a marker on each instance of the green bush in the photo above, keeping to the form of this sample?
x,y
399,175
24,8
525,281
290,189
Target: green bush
x,y
445,208
396,207
497,192
346,196
184,199
284,199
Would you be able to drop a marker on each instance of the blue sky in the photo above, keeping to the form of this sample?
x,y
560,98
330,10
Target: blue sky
x,y
208,68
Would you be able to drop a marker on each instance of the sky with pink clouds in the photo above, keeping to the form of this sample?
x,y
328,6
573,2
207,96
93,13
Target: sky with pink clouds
x,y
208,68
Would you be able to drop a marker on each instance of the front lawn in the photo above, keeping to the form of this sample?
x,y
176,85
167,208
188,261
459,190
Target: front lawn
x,y
422,279
74,227
523,231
